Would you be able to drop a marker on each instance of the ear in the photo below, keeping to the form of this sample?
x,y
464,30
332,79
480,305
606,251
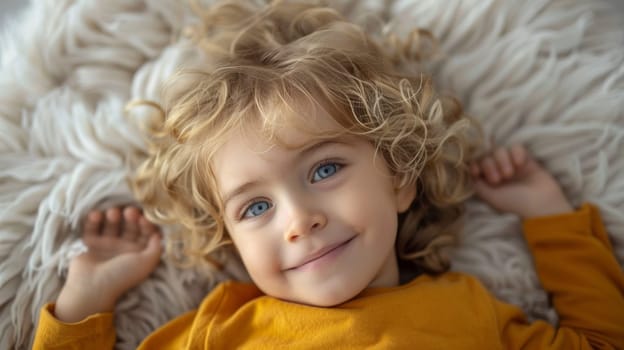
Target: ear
x,y
405,196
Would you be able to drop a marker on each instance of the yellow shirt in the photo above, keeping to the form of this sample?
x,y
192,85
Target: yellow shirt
x,y
574,261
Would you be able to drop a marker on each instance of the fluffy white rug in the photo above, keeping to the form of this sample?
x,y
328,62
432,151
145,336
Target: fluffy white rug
x,y
547,73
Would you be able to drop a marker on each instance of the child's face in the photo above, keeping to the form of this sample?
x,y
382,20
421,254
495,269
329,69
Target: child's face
x,y
315,223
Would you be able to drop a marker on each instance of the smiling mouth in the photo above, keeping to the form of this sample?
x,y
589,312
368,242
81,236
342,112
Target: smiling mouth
x,y
322,253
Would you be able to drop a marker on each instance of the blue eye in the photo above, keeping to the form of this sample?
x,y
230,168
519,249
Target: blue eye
x,y
324,171
256,209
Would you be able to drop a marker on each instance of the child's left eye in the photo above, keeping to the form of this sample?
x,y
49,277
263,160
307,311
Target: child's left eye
x,y
257,208
325,170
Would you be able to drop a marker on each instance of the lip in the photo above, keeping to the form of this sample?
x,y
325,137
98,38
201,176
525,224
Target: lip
x,y
321,253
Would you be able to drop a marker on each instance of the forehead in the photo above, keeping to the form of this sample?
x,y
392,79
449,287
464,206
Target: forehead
x,y
288,126
270,139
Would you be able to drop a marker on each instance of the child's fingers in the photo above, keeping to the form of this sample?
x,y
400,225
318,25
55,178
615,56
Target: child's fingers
x,y
153,246
152,252
147,229
112,222
131,223
490,170
504,163
474,169
91,227
518,155
146,226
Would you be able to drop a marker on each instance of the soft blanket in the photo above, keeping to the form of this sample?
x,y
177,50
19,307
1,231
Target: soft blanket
x,y
546,73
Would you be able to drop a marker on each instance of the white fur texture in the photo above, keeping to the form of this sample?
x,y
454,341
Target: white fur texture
x,y
546,73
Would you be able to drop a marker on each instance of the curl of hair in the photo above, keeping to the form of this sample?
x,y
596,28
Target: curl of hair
x,y
260,58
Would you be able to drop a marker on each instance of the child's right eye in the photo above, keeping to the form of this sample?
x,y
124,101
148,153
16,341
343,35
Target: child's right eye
x,y
256,209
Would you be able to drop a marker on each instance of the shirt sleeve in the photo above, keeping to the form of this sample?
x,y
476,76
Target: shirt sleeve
x,y
576,266
94,332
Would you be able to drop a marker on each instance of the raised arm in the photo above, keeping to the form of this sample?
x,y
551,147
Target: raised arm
x,y
123,249
572,253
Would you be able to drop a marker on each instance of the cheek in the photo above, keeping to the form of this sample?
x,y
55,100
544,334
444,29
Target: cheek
x,y
368,204
250,256
259,257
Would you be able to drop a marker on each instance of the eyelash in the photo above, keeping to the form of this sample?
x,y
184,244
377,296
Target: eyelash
x,y
318,166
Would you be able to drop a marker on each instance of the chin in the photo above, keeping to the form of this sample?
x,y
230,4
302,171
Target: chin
x,y
329,299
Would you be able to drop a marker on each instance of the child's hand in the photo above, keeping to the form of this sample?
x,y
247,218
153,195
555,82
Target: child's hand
x,y
510,180
124,248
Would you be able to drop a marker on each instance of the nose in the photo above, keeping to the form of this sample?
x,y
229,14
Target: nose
x,y
304,221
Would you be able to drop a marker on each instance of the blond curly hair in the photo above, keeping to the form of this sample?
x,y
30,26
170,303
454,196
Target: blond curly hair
x,y
259,58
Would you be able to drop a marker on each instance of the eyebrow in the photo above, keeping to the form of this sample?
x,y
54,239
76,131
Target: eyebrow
x,y
307,149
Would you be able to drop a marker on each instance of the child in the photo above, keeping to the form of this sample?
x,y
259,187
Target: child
x,y
302,146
